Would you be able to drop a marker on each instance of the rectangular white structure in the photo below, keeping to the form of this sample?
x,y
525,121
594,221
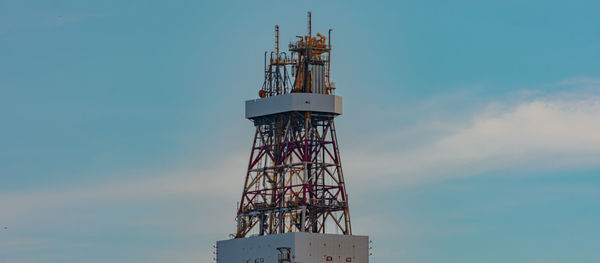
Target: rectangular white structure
x,y
304,248
294,102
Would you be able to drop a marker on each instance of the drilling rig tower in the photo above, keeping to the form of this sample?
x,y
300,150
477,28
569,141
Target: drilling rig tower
x,y
294,205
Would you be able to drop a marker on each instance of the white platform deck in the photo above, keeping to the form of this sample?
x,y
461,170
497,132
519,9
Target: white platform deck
x,y
294,102
304,247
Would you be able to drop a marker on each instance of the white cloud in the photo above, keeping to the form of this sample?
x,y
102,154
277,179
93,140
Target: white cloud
x,y
216,183
196,204
540,134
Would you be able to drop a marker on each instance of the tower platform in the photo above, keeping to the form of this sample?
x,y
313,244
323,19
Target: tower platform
x,y
313,102
298,247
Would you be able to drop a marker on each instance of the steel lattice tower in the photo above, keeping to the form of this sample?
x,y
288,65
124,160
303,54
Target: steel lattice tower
x,y
294,181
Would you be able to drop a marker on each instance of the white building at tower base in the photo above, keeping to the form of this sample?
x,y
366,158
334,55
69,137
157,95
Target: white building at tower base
x,y
298,247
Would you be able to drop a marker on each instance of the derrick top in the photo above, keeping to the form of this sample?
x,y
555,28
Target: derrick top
x,y
308,63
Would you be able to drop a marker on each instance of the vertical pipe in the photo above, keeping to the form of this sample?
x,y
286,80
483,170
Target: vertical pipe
x,y
277,77
329,39
262,224
307,55
303,219
329,61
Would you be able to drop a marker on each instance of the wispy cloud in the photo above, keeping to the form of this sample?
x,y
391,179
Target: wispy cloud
x,y
543,132
215,182
190,203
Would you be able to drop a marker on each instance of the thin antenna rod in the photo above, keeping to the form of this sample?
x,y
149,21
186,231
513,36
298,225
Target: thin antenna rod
x,y
277,42
309,25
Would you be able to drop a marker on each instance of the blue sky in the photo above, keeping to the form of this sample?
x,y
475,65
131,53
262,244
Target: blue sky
x,y
471,129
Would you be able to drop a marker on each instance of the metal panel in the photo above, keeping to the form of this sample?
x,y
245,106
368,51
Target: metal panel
x,y
312,247
304,247
294,102
259,249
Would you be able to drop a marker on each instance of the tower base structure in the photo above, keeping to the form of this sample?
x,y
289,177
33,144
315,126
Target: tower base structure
x,y
298,247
